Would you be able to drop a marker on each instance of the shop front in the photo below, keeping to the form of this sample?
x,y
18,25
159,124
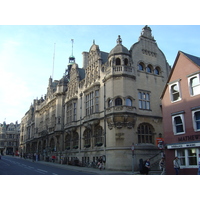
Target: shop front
x,y
188,154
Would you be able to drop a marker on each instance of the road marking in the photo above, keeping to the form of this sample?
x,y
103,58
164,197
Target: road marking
x,y
30,167
5,163
44,171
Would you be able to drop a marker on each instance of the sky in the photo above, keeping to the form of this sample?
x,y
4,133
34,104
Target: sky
x,y
30,54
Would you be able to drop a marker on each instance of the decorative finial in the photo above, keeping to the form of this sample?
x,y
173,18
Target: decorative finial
x,y
72,40
119,40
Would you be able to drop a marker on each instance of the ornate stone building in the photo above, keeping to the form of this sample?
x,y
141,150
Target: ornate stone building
x,y
9,138
102,108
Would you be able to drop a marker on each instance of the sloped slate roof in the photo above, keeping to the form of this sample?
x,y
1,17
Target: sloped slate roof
x,y
81,73
194,59
119,49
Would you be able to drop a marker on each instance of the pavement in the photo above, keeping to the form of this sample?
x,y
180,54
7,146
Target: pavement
x,y
94,171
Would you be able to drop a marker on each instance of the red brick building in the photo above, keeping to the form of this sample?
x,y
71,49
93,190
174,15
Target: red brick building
x,y
181,114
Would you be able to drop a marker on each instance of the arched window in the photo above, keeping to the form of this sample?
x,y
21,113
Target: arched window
x,y
52,144
128,102
118,61
149,69
75,140
118,101
157,71
141,66
67,141
125,61
87,138
109,103
98,139
145,133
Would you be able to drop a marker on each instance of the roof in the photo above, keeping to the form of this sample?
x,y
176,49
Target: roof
x,y
119,48
104,57
194,59
81,73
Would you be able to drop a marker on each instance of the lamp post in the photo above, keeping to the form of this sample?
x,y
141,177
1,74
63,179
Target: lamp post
x,y
132,148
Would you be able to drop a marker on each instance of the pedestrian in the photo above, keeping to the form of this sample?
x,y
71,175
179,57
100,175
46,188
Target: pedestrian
x,y
199,166
176,165
162,166
53,158
146,167
100,163
33,157
36,157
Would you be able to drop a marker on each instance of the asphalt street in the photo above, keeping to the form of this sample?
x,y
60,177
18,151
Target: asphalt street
x,y
17,166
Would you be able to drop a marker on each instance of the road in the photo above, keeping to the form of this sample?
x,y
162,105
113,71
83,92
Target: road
x,y
17,166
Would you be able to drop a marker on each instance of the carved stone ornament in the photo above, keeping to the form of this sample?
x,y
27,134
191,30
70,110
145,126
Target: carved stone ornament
x,y
119,136
120,121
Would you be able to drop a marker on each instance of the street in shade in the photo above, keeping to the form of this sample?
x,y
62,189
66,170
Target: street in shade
x,y
17,166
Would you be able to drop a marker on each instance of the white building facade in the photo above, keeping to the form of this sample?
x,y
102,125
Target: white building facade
x,y
103,108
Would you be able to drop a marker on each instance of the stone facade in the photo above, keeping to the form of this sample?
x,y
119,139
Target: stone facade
x,y
102,108
9,138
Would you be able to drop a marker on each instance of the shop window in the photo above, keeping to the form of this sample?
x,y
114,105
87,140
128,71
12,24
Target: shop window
x,y
188,157
192,157
181,156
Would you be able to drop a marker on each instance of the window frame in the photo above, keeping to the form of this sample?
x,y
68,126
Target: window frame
x,y
144,103
174,126
128,102
117,100
141,66
145,132
172,94
92,102
195,121
186,157
190,86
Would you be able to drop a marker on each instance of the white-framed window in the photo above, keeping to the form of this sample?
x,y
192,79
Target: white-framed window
x,y
175,93
178,124
188,157
194,84
196,120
